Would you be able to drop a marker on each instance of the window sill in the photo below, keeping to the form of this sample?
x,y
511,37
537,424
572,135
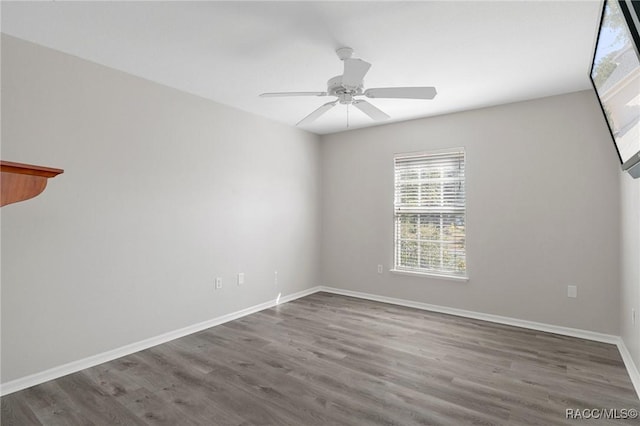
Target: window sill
x,y
429,275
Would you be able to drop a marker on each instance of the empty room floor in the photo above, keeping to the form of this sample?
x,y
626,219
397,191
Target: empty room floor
x,y
333,360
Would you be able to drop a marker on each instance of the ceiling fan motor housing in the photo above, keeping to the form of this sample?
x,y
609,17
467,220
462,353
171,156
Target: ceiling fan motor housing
x,y
345,95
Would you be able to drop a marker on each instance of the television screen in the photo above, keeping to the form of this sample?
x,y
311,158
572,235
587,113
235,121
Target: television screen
x,y
615,74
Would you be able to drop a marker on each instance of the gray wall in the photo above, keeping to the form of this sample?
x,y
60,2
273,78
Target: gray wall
x,y
542,211
630,264
162,191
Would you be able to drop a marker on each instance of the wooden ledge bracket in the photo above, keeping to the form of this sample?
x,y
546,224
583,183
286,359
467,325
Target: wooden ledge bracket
x,y
21,182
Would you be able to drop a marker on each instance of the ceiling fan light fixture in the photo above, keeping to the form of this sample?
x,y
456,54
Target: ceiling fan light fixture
x,y
346,98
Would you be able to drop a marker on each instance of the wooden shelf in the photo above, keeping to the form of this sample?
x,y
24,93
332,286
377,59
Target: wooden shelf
x,y
23,181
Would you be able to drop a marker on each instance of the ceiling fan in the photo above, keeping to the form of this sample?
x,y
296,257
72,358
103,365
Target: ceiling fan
x,y
348,86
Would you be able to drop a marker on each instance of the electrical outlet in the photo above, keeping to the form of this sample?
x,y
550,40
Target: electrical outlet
x,y
275,277
241,278
633,316
572,291
218,283
379,269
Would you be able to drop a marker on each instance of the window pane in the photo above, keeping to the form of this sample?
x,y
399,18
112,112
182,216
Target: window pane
x,y
430,213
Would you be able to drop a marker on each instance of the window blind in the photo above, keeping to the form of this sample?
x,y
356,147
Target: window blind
x,y
430,213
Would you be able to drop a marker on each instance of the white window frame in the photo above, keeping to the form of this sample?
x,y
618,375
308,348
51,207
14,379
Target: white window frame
x,y
428,272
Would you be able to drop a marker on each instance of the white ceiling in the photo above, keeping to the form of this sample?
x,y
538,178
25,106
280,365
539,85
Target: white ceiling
x,y
476,53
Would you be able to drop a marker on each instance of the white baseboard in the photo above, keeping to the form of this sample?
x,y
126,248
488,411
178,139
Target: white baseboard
x,y
565,331
632,369
91,361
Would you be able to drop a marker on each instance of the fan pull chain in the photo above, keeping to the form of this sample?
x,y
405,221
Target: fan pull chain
x,y
347,116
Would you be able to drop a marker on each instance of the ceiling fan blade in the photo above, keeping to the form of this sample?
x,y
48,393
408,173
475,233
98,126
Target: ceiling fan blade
x,y
354,72
402,92
279,94
317,113
372,111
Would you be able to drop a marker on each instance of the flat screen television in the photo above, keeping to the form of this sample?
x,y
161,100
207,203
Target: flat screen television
x,y
615,75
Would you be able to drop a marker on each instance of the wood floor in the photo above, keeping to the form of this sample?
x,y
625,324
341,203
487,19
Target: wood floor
x,y
334,360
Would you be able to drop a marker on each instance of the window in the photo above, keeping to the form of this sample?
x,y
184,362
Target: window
x,y
430,213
